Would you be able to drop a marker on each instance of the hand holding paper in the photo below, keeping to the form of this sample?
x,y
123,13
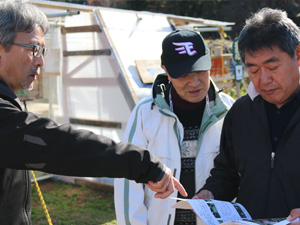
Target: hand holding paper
x,y
214,212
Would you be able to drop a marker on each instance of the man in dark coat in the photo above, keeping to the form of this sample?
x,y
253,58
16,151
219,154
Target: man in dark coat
x,y
259,155
32,143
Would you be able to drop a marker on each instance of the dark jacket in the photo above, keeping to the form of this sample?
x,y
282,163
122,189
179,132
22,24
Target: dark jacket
x,y
29,142
243,167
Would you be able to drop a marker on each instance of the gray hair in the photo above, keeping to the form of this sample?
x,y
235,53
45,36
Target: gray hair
x,y
267,28
19,16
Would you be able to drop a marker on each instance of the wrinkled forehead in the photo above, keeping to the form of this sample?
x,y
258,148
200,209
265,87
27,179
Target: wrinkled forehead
x,y
35,36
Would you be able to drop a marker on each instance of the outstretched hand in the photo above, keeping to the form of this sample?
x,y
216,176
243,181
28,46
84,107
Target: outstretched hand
x,y
165,187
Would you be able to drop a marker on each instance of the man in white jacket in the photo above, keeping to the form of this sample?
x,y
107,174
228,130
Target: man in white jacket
x,y
180,124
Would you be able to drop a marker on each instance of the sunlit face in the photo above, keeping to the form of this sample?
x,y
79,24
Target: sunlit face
x,y
274,74
18,67
191,87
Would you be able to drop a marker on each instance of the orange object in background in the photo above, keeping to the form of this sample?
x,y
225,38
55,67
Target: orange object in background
x,y
216,66
220,65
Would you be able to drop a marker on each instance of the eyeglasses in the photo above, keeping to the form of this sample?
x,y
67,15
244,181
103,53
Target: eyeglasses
x,y
36,49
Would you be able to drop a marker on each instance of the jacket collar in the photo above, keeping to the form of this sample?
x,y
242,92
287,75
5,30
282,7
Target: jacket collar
x,y
160,89
8,94
252,92
160,85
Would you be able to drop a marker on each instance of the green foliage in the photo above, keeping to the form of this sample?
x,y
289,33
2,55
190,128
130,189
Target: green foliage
x,y
72,205
243,88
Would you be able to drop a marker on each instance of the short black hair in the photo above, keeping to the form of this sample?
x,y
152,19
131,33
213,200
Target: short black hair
x,y
266,28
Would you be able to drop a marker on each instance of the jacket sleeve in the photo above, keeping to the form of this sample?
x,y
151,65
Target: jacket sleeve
x,y
224,179
129,196
30,142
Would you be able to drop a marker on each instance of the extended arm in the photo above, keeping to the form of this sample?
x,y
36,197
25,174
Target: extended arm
x,y
30,142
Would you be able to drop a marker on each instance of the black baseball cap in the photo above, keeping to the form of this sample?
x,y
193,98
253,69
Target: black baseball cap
x,y
183,52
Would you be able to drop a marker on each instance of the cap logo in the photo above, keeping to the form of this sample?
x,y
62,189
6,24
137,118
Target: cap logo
x,y
185,48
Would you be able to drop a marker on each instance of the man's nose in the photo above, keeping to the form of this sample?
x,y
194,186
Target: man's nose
x,y
40,61
194,80
265,76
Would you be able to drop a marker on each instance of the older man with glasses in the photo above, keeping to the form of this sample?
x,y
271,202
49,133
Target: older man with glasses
x,y
32,143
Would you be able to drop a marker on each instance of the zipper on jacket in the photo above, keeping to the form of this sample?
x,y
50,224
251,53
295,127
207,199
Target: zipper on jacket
x,y
272,159
270,178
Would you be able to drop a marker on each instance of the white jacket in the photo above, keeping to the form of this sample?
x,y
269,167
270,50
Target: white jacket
x,y
158,129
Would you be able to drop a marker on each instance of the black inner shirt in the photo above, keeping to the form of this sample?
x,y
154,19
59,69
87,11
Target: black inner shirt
x,y
279,118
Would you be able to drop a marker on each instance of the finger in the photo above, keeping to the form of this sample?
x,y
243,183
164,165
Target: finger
x,y
196,197
153,188
167,193
179,187
204,194
295,213
151,183
163,195
159,186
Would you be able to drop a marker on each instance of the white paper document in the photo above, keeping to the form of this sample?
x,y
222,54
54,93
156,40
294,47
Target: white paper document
x,y
214,212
